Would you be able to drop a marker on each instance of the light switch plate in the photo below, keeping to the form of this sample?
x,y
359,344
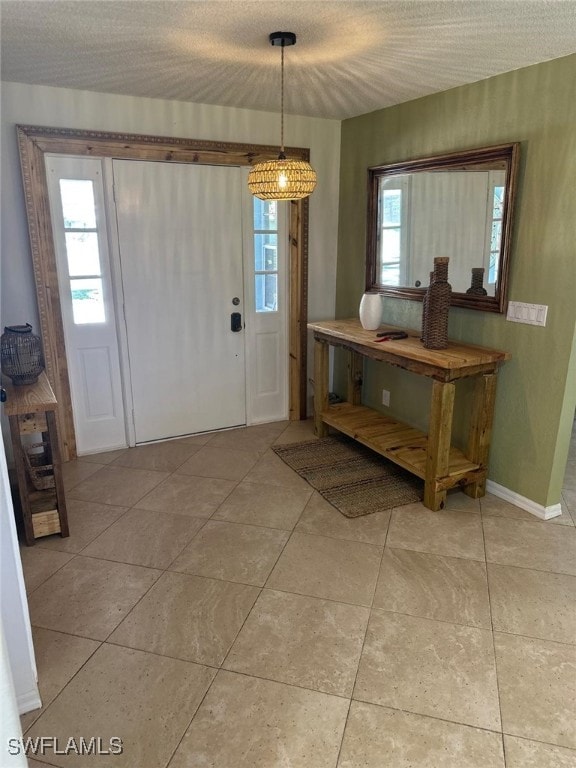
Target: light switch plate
x,y
531,314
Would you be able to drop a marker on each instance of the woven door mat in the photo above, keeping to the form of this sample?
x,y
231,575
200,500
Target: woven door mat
x,y
354,479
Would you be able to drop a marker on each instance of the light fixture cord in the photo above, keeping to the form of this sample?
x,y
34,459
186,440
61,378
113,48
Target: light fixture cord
x,y
282,100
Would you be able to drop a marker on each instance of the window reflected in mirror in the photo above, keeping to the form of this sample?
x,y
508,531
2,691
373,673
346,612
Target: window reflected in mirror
x,y
456,205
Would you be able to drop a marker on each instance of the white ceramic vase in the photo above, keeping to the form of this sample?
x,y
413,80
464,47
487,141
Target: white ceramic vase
x,y
371,311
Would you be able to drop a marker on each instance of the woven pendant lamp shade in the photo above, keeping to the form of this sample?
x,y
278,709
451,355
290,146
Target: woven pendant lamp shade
x,y
282,179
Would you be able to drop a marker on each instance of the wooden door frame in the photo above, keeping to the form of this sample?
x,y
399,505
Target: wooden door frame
x,y
35,141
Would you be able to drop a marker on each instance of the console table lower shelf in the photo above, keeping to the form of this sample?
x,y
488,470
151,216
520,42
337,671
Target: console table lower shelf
x,y
404,445
431,456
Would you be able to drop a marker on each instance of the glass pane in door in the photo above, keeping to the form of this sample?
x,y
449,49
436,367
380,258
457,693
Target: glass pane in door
x,y
78,203
87,301
82,253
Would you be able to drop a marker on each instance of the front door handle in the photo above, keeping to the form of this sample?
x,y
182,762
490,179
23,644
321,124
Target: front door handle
x,y
235,322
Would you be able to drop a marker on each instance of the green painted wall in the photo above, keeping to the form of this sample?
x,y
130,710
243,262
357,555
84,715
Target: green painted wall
x,y
537,388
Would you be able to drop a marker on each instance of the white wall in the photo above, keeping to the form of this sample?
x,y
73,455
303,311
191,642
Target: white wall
x,y
9,722
65,108
14,618
40,105
57,107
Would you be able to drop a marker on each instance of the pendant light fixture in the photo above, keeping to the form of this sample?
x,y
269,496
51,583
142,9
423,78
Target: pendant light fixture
x,y
282,179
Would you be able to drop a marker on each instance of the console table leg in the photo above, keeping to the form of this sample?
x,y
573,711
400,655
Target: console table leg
x,y
481,430
20,467
321,377
58,479
439,436
355,373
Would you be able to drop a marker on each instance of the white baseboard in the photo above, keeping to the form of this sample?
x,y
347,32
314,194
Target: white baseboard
x,y
28,701
544,513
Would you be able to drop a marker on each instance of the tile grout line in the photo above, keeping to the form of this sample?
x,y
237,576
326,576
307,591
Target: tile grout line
x,y
539,741
222,668
297,594
494,646
261,589
291,532
431,618
279,682
164,570
80,551
529,568
186,729
134,507
29,594
364,640
218,520
440,719
283,682
46,707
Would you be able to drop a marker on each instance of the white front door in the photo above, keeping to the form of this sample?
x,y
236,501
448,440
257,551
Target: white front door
x,y
78,213
180,244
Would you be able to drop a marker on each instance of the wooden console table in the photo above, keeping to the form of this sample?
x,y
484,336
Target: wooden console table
x,y
430,457
31,409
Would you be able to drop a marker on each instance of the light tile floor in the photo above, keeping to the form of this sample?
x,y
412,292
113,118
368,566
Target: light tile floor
x,y
211,610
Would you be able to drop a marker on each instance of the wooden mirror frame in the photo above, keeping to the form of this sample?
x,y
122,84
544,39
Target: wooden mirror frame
x,y
509,155
36,141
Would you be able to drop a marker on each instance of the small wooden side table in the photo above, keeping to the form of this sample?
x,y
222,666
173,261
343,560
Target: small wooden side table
x,y
31,409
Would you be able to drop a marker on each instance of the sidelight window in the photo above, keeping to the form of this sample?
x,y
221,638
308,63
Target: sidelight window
x,y
265,242
82,250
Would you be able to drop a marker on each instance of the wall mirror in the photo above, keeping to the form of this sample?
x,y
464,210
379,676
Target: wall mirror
x,y
458,205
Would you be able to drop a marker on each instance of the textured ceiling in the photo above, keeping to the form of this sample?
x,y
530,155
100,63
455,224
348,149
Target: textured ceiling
x,y
352,56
